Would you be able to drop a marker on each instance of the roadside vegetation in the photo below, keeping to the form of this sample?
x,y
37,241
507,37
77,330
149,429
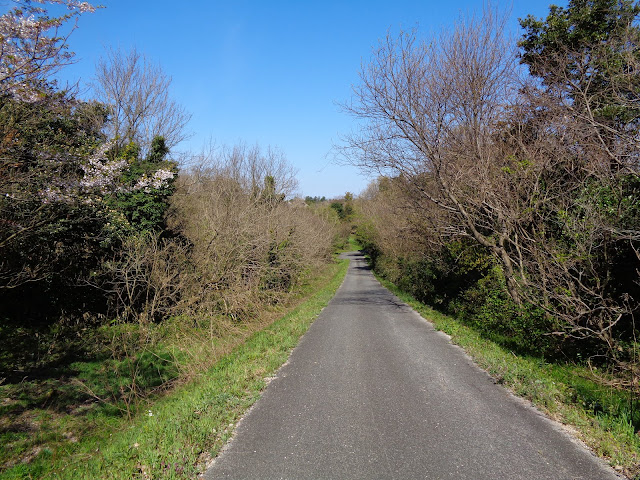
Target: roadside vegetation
x,y
507,199
177,434
127,271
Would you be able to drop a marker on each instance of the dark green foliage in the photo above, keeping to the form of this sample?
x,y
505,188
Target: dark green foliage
x,y
435,280
144,210
344,208
158,151
488,308
590,46
618,206
339,209
582,26
464,281
47,243
144,207
311,200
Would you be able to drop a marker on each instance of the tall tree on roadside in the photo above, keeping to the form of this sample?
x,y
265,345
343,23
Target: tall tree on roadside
x,y
588,56
581,258
137,92
66,198
429,110
44,134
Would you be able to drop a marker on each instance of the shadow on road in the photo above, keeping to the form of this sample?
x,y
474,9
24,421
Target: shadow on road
x,y
373,300
373,297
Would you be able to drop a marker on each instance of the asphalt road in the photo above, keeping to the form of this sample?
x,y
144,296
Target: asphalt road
x,y
373,391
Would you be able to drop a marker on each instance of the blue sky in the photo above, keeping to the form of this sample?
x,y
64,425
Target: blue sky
x,y
265,72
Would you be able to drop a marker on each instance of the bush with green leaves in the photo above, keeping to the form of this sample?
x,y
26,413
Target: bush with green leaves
x,y
147,185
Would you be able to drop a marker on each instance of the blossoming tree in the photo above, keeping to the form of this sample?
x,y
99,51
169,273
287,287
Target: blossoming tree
x,y
33,45
66,199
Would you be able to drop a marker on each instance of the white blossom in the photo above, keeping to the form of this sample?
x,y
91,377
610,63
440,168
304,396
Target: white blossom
x,y
158,180
100,172
30,45
55,195
100,176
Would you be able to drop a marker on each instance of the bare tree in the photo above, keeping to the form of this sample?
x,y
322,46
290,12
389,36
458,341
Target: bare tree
x,y
246,248
137,92
430,109
249,167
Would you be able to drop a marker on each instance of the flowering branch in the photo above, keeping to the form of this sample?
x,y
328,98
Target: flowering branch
x,y
31,46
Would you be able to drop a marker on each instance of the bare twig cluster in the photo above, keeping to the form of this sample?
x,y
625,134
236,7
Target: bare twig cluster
x,y
137,92
237,245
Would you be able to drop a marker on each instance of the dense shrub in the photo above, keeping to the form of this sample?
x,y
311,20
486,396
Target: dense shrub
x,y
464,281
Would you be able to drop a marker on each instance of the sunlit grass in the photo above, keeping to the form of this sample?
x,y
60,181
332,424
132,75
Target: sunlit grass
x,y
174,435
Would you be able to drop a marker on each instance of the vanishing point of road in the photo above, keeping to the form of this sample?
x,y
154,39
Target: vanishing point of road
x,y
373,391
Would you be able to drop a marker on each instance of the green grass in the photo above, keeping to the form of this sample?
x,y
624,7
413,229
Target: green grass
x,y
188,427
347,244
352,245
575,395
176,435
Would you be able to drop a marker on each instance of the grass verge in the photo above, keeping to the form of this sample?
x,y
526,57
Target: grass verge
x,y
175,436
351,245
574,395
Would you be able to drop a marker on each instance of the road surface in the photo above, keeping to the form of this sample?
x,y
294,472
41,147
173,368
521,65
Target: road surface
x,y
373,391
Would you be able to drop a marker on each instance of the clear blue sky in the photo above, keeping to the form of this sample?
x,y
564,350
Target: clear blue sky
x,y
266,72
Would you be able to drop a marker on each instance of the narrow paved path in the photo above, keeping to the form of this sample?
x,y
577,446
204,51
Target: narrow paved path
x,y
373,391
